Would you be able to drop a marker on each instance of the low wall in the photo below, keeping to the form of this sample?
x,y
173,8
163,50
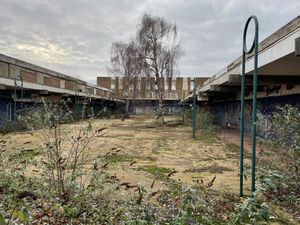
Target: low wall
x,y
228,113
140,107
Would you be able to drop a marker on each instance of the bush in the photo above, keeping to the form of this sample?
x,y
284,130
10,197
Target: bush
x,y
282,136
205,121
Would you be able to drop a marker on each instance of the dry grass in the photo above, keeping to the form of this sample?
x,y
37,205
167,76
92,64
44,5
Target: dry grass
x,y
142,144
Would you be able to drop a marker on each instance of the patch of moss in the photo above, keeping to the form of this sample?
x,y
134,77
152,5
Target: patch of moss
x,y
118,158
207,138
235,150
155,170
28,154
232,147
211,169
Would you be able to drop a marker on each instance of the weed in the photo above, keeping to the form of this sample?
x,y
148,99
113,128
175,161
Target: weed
x,y
281,152
232,147
27,154
207,138
159,145
155,170
116,158
211,169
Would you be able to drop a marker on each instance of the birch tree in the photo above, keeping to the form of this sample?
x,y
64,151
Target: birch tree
x,y
159,51
125,62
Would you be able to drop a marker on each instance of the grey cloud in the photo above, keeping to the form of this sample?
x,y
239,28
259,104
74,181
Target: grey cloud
x,y
74,36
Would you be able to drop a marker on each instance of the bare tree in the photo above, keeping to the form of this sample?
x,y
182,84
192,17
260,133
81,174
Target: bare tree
x,y
159,51
125,62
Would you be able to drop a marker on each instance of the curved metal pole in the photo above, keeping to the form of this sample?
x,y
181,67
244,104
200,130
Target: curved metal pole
x,y
254,102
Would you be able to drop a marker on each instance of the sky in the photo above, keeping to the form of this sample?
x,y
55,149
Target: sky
x,y
74,37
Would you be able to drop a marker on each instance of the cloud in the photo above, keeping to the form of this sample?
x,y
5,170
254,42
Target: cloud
x,y
75,36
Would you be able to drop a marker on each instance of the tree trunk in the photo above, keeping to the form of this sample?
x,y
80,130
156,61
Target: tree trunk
x,y
127,109
159,113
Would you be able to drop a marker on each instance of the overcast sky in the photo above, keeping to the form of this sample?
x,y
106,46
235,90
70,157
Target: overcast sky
x,y
74,36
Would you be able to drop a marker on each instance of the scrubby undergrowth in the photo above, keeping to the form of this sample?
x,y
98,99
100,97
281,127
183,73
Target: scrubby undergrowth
x,y
71,187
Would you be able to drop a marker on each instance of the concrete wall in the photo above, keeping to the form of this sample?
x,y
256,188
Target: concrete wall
x,y
228,113
149,107
4,69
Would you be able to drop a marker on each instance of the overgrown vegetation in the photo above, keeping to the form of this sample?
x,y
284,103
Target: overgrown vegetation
x,y
280,152
60,183
205,121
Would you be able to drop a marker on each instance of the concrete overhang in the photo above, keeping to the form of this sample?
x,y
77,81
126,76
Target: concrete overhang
x,y
225,79
200,97
277,57
9,83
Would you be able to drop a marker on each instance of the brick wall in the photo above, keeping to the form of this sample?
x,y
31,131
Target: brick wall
x,y
104,82
28,76
69,85
144,87
200,80
51,81
179,83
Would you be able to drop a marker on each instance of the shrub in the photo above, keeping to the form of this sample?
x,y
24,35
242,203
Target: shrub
x,y
282,136
205,121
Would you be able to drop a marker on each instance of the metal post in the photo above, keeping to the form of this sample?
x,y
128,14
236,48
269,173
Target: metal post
x,y
22,95
15,96
77,113
242,127
245,52
15,102
194,109
254,107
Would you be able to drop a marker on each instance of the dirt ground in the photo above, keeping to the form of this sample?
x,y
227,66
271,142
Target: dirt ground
x,y
147,150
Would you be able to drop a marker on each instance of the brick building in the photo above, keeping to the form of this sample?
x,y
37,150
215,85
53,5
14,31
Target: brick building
x,y
175,88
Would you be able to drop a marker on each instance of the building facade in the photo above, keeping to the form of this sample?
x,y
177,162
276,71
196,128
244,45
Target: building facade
x,y
175,88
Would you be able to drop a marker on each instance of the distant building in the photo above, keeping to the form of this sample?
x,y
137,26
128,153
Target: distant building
x,y
143,88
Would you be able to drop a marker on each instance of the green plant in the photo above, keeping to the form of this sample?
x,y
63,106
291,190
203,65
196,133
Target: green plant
x,y
205,121
155,170
281,153
14,191
186,208
251,212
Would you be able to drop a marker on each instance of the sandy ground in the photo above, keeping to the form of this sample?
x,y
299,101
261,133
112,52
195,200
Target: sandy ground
x,y
141,144
169,146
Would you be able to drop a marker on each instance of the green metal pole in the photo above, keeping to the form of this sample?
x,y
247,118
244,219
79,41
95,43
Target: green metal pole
x,y
194,109
77,107
242,127
254,107
15,102
253,138
22,95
